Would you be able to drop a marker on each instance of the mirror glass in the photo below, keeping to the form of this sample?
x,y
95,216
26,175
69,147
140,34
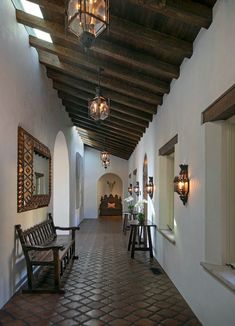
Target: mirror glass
x,y
41,174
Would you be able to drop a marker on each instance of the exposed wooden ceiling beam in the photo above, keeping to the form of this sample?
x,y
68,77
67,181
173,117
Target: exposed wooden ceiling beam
x,y
108,147
98,133
142,37
116,153
52,61
108,132
185,11
89,87
121,117
120,28
100,138
109,125
123,125
84,96
112,70
118,108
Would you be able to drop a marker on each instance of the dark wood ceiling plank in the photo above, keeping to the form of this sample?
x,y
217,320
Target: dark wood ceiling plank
x,y
107,130
96,132
100,46
109,146
184,11
142,37
112,70
90,88
118,108
118,154
109,125
112,141
86,96
52,61
129,125
123,117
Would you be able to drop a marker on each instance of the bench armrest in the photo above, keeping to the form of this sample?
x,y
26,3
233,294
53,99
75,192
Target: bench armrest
x,y
67,228
42,248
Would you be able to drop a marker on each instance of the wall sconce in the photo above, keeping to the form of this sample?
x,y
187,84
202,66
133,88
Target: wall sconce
x,y
150,187
181,183
137,189
130,189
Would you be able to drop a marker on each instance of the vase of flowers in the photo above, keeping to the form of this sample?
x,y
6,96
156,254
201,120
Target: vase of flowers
x,y
140,208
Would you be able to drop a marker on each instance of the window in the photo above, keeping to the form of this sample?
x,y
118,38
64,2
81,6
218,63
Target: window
x,y
166,188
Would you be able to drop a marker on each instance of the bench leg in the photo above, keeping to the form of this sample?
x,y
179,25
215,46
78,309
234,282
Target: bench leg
x,y
30,276
56,269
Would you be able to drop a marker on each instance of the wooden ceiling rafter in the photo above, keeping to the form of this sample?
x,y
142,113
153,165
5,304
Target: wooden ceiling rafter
x,y
140,54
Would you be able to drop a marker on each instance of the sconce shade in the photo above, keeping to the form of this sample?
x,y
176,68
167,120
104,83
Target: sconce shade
x,y
181,183
87,19
137,189
150,187
130,189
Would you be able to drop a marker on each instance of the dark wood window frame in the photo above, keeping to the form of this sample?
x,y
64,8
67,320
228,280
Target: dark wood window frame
x,y
221,109
169,147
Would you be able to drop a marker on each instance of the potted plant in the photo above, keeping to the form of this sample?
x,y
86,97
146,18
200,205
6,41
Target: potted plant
x,y
141,218
130,208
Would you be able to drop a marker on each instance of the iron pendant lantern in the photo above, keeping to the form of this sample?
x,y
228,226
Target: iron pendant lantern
x,y
87,19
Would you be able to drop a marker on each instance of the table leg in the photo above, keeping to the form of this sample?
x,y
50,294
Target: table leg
x,y
133,241
150,241
130,238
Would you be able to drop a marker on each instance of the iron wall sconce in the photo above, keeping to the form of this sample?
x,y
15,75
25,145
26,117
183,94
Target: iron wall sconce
x,y
181,183
130,189
137,189
150,187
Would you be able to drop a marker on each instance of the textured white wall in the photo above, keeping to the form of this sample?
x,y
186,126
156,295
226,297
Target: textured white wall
x,y
27,99
204,77
93,171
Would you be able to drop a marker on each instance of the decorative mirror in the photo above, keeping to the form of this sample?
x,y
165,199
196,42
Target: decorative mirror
x,y
33,172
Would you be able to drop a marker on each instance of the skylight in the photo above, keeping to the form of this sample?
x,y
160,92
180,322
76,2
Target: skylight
x,y
34,9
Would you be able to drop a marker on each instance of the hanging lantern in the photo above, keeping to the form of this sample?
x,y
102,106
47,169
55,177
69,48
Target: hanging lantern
x,y
99,106
87,19
105,159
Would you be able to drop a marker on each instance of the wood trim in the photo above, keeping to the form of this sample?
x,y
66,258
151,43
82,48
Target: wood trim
x,y
221,109
169,147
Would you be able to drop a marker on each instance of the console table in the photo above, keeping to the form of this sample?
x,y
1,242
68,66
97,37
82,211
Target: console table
x,y
140,238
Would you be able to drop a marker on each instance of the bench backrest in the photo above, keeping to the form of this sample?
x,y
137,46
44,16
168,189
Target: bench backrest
x,y
39,234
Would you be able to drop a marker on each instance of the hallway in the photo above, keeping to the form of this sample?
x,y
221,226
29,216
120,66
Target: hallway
x,y
104,287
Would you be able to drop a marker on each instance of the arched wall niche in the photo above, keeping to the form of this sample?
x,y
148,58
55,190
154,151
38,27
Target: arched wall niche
x,y
61,182
109,183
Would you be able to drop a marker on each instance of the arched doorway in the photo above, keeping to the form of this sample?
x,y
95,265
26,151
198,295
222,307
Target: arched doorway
x,y
110,186
61,181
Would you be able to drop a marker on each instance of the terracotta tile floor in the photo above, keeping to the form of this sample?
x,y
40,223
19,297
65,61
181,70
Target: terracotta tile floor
x,y
104,287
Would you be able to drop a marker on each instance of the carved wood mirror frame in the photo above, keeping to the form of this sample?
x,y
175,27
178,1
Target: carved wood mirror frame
x,y
27,146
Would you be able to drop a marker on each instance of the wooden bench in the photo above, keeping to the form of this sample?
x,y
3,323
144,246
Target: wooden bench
x,y
43,247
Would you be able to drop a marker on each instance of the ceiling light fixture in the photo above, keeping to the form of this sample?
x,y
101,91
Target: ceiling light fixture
x,y
105,159
87,19
99,106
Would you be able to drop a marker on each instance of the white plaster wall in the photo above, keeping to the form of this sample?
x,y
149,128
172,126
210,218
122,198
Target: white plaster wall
x,y
204,77
27,99
93,171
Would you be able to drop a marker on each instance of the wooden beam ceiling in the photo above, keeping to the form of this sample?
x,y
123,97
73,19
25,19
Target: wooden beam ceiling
x,y
139,59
